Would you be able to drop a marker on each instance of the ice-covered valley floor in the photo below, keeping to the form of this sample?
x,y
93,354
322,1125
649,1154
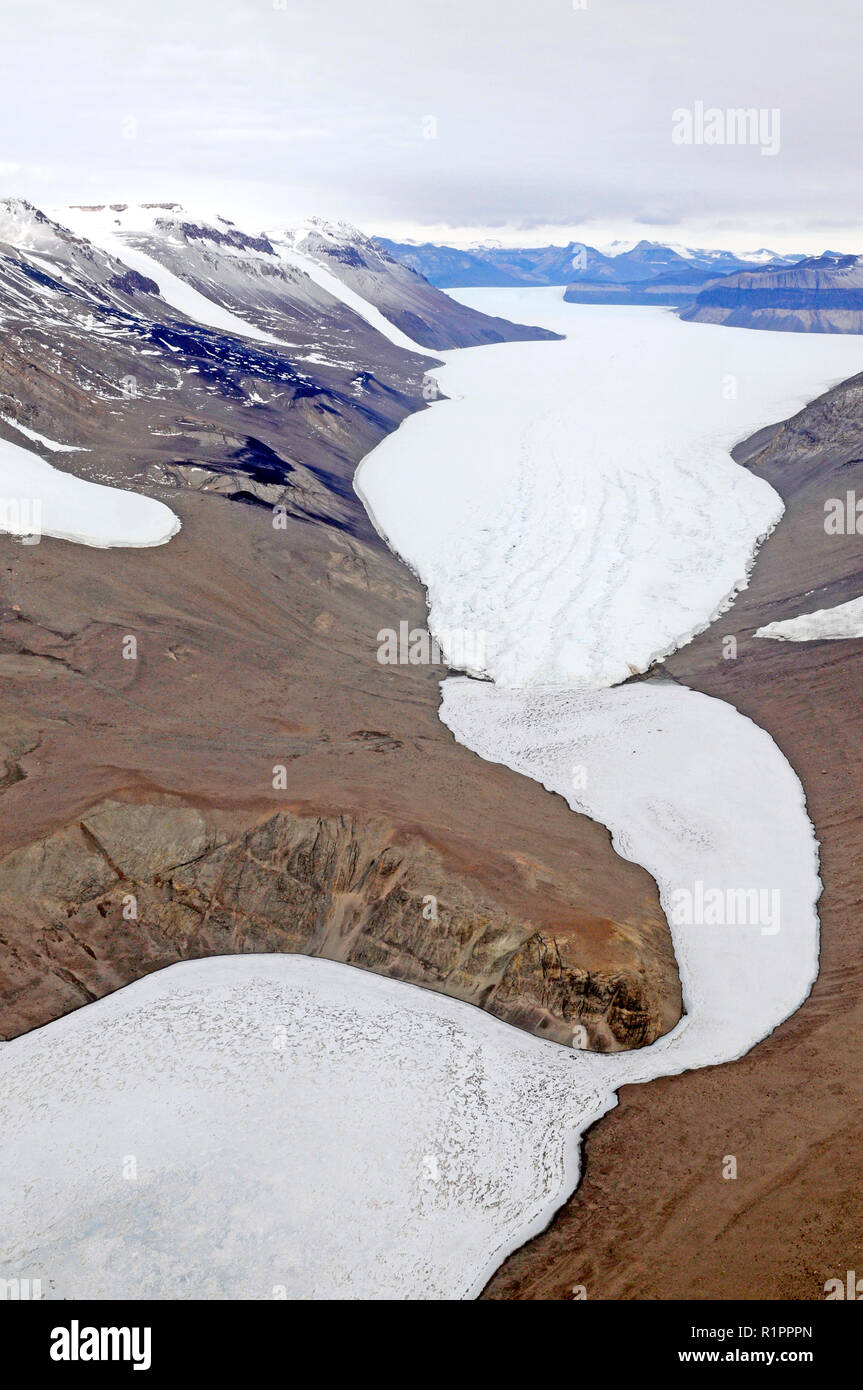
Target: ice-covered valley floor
x,y
572,508
597,522
276,1126
704,800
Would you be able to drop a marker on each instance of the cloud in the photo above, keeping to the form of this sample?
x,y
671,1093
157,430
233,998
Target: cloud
x,y
542,115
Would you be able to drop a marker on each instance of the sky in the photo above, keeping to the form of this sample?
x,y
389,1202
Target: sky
x,y
447,120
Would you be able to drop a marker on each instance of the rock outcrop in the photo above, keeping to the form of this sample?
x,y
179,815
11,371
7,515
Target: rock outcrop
x,y
133,887
821,295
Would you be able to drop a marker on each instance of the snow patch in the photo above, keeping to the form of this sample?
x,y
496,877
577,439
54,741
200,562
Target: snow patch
x,y
844,620
43,439
36,497
331,283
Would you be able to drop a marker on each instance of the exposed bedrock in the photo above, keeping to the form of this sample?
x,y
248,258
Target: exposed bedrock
x,y
256,649
133,887
823,294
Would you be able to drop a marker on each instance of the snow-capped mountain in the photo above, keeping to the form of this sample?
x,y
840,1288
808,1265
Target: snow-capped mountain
x,y
162,343
316,273
403,294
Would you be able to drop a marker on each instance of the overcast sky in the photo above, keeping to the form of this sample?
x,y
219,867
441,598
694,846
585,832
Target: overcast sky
x,y
528,122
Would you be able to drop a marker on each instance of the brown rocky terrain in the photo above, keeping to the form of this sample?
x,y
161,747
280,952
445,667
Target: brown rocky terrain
x,y
256,650
246,775
653,1217
252,778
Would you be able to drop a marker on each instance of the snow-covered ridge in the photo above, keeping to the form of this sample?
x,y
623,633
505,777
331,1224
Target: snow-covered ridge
x,y
292,251
115,229
135,234
338,233
25,226
184,297
690,253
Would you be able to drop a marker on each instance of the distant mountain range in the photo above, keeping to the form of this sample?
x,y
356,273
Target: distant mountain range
x,y
576,263
761,289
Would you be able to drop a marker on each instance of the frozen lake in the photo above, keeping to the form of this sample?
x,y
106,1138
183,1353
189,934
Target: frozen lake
x,y
277,1127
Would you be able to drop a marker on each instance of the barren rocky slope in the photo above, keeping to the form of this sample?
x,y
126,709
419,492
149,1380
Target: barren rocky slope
x,y
823,294
252,777
419,309
791,1112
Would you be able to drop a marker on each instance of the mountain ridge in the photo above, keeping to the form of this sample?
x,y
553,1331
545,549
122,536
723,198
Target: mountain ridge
x,y
452,267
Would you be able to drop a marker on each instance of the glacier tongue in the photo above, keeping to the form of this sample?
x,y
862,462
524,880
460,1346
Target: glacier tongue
x,y
574,505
